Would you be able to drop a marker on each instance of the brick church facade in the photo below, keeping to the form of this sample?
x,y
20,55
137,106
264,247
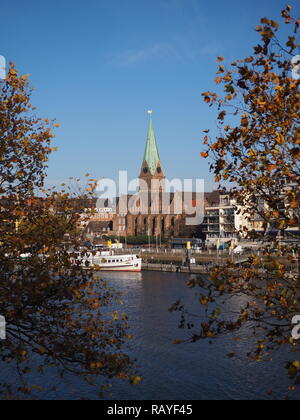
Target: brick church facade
x,y
154,211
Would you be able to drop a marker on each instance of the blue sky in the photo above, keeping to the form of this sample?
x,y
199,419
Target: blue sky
x,y
97,66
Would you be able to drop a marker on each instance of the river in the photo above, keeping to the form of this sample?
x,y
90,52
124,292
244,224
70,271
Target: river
x,y
197,371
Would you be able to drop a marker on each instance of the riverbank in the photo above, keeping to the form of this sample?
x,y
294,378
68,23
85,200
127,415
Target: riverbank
x,y
171,268
204,263
178,258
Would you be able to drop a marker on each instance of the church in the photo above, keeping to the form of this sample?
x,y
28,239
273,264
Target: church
x,y
154,211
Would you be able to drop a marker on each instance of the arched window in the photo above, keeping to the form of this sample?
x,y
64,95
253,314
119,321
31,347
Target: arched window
x,y
163,226
136,223
154,226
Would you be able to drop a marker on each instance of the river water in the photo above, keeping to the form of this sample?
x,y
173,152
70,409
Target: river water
x,y
178,372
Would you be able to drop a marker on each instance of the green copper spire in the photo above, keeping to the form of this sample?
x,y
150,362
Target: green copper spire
x,y
151,156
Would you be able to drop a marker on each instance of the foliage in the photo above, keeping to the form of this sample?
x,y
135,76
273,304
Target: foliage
x,y
257,151
55,310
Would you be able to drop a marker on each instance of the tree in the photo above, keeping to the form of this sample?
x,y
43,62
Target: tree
x,y
54,309
257,151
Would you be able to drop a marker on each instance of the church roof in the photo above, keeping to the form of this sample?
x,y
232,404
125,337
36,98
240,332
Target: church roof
x,y
151,156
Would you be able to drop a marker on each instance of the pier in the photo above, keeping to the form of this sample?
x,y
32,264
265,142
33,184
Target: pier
x,y
173,268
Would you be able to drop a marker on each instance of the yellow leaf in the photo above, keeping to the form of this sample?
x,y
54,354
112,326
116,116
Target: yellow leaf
x,y
280,139
136,380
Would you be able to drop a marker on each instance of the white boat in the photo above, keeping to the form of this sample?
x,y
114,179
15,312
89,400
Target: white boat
x,y
108,261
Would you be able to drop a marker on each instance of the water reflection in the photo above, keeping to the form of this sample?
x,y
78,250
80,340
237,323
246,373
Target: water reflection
x,y
189,371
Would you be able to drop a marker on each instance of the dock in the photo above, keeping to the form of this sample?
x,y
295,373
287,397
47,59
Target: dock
x,y
171,268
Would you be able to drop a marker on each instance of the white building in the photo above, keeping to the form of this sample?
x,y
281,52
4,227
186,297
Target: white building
x,y
224,222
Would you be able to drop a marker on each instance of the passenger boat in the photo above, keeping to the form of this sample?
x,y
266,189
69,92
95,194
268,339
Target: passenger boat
x,y
108,261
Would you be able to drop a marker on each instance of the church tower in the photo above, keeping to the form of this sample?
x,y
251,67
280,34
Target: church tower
x,y
152,172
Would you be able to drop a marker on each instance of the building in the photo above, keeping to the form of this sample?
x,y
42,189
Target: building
x,y
225,221
154,211
220,221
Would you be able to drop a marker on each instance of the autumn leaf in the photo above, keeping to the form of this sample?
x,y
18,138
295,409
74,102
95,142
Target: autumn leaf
x,y
50,296
136,380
